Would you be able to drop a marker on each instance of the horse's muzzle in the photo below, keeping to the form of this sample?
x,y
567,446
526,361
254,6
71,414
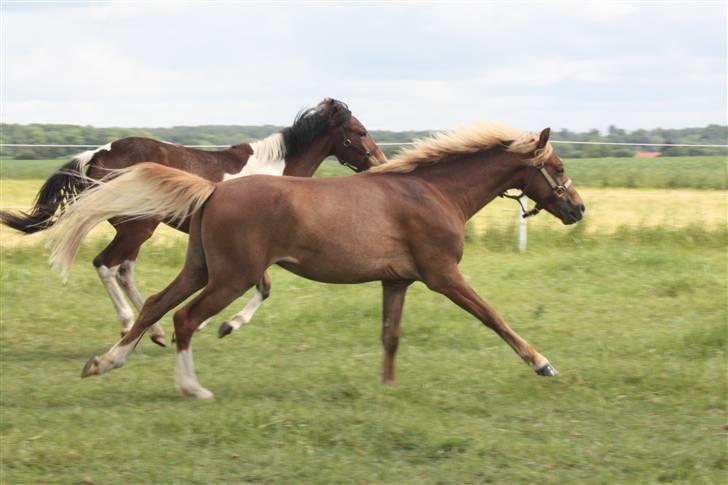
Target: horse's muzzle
x,y
572,213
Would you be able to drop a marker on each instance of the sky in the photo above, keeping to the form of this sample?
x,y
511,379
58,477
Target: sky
x,y
399,66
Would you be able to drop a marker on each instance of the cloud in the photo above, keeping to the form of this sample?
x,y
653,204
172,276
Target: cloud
x,y
399,66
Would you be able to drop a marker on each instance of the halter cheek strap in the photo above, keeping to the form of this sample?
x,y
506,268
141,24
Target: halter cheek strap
x,y
559,191
363,151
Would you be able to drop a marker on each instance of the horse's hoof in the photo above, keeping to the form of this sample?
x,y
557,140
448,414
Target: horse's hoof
x,y
91,368
201,394
158,339
225,329
548,371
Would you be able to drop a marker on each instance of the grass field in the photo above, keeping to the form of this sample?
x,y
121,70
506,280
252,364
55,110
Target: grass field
x,y
608,209
632,314
636,326
707,172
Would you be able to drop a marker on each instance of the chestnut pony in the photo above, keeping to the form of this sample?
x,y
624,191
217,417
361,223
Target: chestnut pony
x,y
397,223
326,130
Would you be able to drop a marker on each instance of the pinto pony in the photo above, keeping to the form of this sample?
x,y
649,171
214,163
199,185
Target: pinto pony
x,y
329,129
397,223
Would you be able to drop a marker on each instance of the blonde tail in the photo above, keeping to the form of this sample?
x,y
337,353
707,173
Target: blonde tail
x,y
146,190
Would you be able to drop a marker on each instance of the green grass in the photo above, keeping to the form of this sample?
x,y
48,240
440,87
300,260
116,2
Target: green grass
x,y
670,172
636,324
703,172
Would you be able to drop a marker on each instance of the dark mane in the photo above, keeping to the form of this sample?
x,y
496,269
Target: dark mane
x,y
312,123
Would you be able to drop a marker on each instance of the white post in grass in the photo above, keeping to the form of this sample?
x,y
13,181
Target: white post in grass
x,y
522,225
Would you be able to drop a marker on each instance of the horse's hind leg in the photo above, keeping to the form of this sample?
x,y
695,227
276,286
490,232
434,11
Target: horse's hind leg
x,y
262,291
115,267
125,277
153,309
192,278
213,299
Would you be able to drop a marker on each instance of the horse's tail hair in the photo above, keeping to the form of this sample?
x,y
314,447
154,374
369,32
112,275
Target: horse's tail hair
x,y
146,190
56,193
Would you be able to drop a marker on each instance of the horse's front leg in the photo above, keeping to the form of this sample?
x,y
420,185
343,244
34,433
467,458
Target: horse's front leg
x,y
453,285
393,293
207,304
262,291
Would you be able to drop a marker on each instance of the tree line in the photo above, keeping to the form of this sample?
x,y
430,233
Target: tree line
x,y
59,134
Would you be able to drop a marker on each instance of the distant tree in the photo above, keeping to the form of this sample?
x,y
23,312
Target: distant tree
x,y
233,134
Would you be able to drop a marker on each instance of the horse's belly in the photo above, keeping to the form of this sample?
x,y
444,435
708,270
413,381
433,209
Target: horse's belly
x,y
350,270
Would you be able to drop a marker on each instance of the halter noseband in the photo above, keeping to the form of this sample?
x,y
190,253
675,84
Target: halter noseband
x,y
559,191
362,151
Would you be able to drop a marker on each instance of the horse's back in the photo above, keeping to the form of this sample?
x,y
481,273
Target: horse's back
x,y
126,152
312,227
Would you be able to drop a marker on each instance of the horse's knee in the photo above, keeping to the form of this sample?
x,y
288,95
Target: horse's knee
x,y
390,343
179,319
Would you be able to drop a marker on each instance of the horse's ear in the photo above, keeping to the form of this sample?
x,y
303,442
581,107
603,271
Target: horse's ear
x,y
543,138
334,111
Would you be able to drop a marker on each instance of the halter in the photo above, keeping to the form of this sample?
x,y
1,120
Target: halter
x,y
362,151
559,191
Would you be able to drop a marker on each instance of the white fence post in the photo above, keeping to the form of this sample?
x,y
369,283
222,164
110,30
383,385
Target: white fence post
x,y
522,225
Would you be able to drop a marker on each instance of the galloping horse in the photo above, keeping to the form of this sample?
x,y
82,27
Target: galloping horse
x,y
326,130
397,223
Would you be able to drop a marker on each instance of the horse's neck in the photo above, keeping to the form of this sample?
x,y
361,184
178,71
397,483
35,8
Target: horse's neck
x,y
238,152
308,161
472,181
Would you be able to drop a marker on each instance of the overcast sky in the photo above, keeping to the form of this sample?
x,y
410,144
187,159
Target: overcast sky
x,y
398,65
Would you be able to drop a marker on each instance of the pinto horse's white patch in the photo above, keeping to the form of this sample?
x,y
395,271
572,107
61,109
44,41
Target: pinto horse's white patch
x,y
268,158
84,158
109,279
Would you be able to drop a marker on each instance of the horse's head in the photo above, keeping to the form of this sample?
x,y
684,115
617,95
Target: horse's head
x,y
547,182
353,146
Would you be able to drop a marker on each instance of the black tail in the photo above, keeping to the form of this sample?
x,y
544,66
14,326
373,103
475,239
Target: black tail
x,y
57,192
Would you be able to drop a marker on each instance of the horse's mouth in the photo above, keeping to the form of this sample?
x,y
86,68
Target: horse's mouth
x,y
571,216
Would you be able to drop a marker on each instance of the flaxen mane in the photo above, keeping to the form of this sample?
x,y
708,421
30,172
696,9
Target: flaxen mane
x,y
469,139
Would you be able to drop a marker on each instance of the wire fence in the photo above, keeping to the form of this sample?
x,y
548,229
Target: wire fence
x,y
401,143
522,225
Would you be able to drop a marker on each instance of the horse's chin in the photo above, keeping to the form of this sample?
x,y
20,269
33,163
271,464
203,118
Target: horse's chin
x,y
568,219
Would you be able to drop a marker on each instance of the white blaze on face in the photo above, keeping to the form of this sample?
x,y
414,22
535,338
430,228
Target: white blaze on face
x,y
268,158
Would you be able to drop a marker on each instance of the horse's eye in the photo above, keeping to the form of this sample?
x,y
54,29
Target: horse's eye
x,y
559,170
363,134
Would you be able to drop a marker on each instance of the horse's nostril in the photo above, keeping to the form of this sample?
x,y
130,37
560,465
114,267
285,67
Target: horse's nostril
x,y
582,207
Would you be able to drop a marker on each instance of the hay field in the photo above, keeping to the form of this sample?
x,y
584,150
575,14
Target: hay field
x,y
608,209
